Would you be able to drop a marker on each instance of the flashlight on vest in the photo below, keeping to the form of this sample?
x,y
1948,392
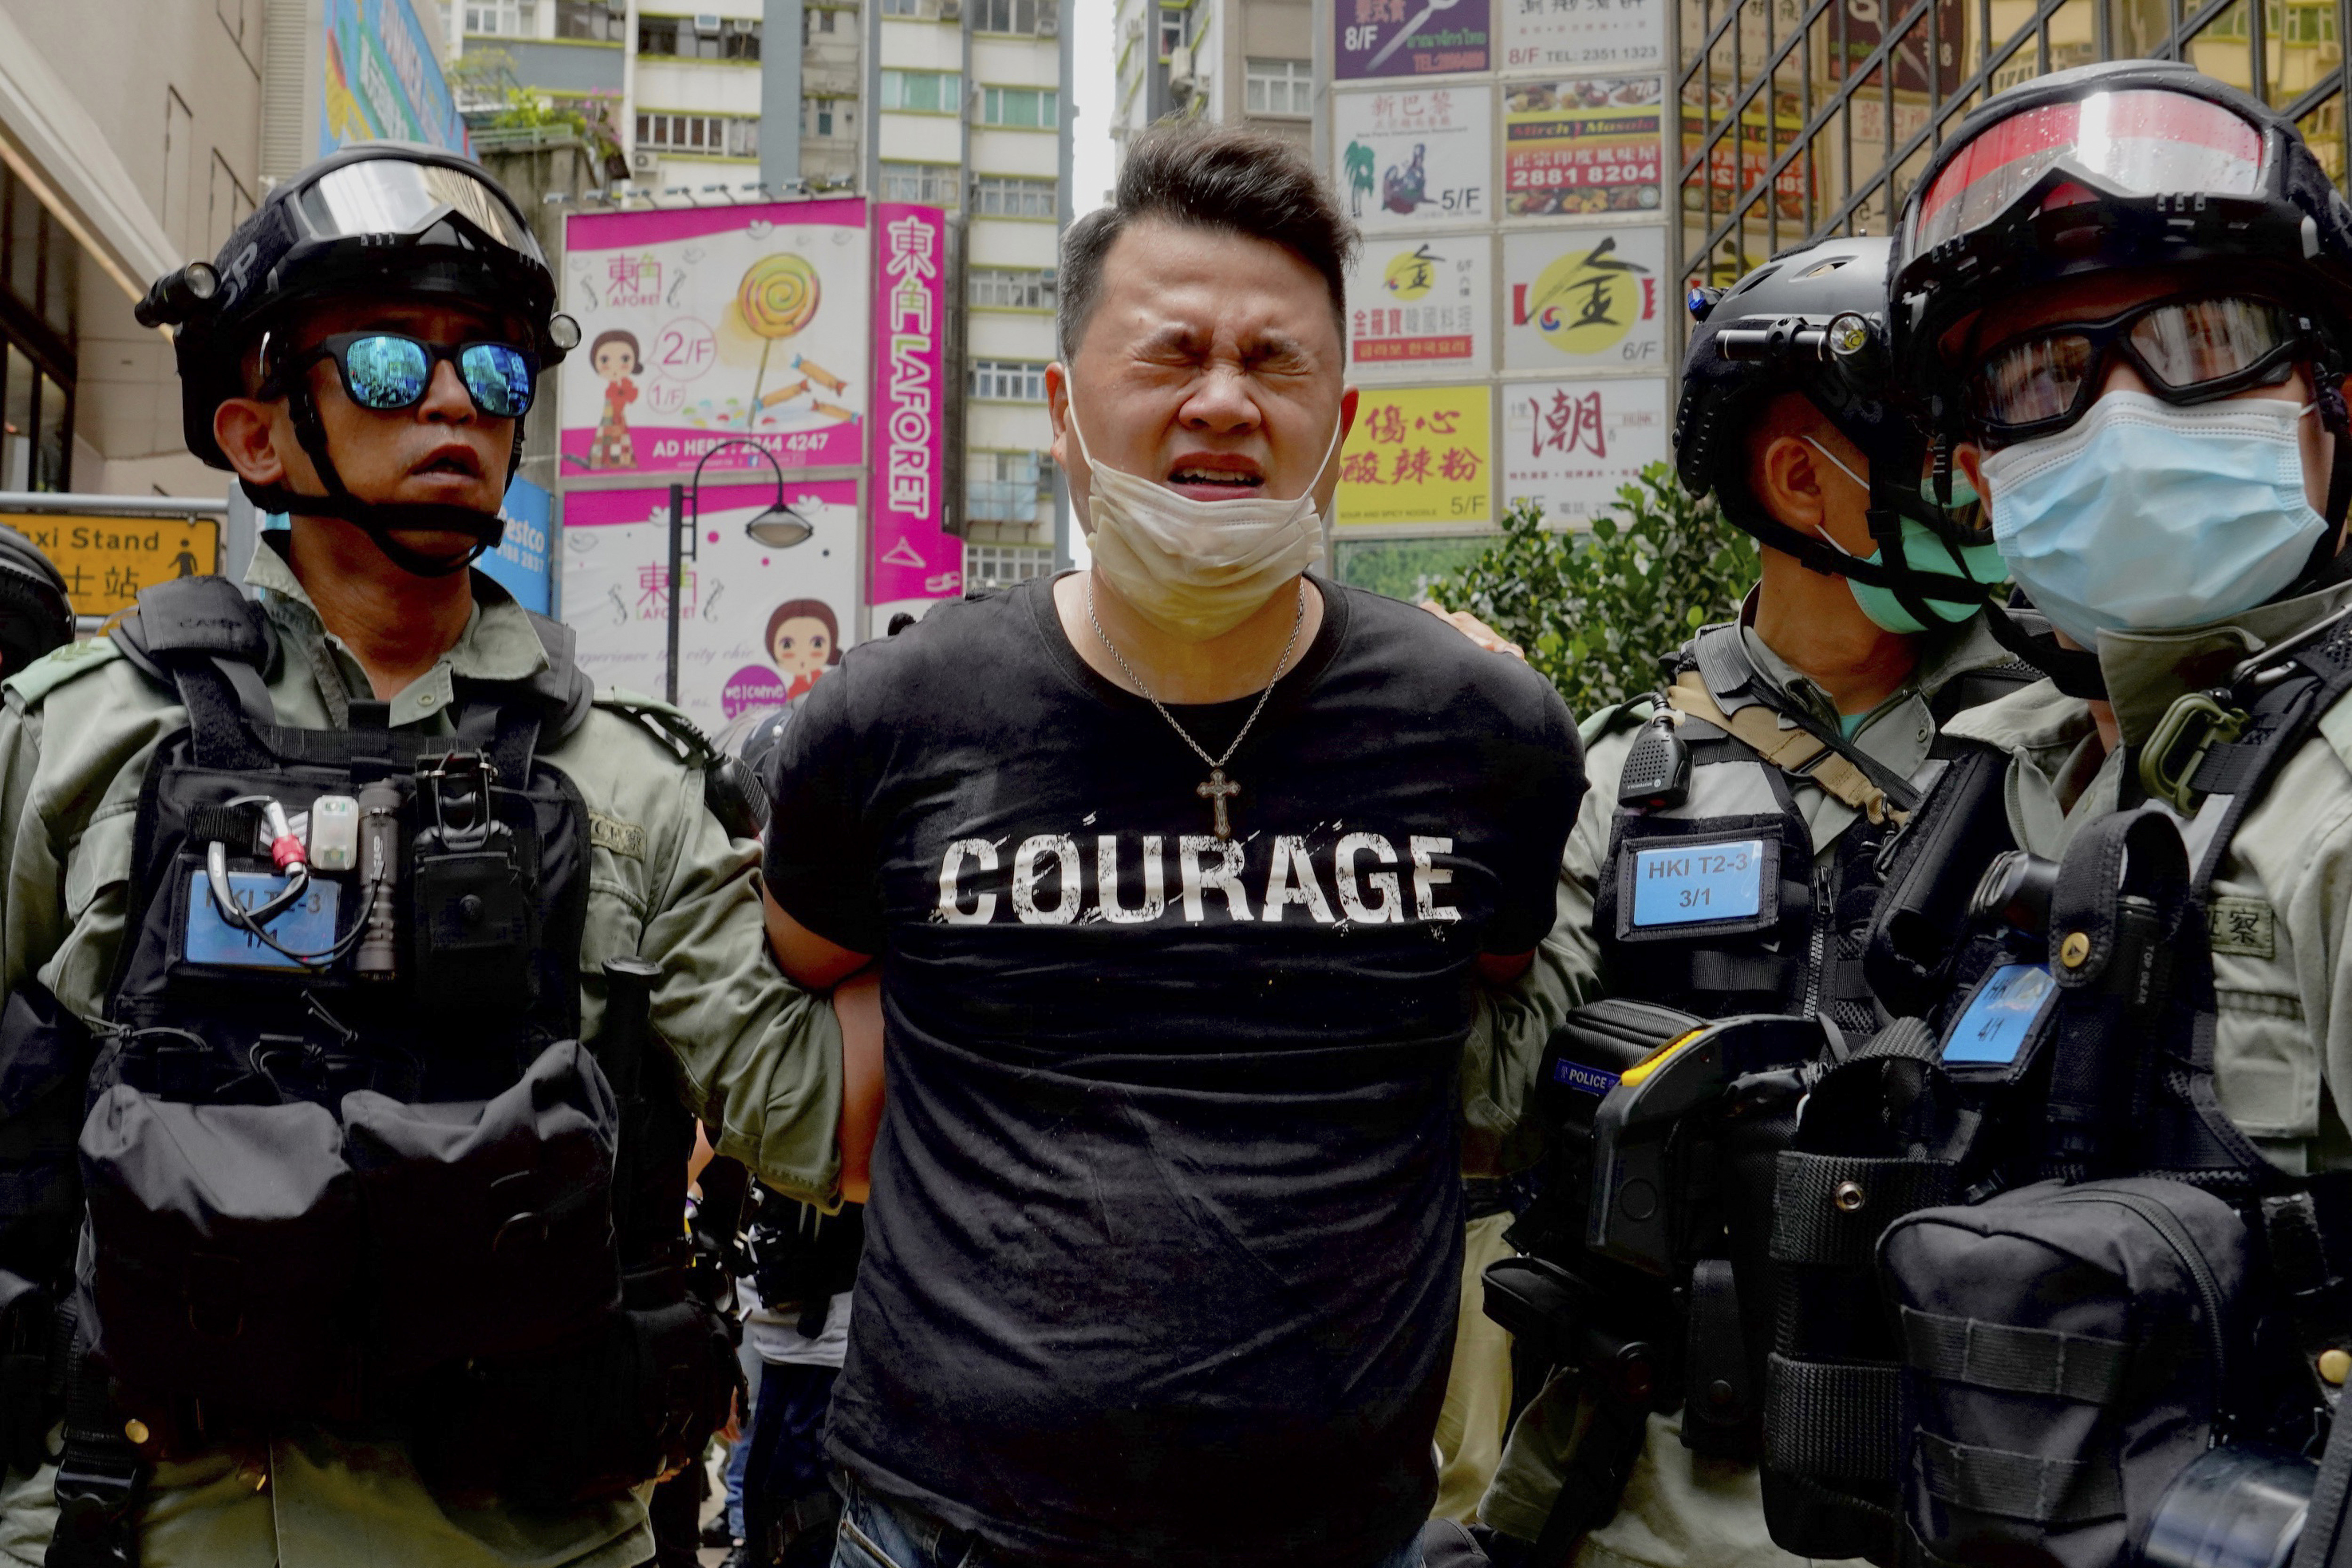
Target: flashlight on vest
x,y
378,957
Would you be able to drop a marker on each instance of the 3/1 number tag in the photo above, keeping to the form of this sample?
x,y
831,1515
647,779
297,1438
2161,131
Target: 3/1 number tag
x,y
307,927
2001,1016
1677,886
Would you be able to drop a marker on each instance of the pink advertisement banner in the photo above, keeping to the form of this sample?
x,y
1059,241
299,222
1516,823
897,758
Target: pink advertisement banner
x,y
703,325
913,557
758,623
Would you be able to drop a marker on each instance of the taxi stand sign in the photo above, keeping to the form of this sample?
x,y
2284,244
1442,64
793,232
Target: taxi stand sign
x,y
108,548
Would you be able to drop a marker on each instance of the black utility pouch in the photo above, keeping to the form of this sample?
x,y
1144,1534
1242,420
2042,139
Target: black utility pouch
x,y
29,1405
223,1254
510,1199
45,1061
557,1429
2067,1350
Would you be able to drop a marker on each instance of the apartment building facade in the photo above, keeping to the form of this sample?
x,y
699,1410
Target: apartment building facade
x,y
958,103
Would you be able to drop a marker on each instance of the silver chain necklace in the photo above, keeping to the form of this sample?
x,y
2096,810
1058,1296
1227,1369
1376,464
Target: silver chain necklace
x,y
1216,789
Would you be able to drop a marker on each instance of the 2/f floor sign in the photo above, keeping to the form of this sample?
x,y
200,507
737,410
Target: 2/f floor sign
x,y
106,561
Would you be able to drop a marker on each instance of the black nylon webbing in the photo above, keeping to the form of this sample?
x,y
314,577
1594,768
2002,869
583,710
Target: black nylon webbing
x,y
1811,1225
1906,1038
1832,1420
2019,1486
2079,1367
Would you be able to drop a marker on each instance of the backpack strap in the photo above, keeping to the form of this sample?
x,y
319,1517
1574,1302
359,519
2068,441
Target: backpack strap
x,y
731,789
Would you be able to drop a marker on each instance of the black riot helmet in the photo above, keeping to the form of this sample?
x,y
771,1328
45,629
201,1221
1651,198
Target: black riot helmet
x,y
2124,164
379,220
35,614
1812,321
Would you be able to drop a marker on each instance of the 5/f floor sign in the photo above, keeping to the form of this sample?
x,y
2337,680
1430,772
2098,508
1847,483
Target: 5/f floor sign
x,y
107,560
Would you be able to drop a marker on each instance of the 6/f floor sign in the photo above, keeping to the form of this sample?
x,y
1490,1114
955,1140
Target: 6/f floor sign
x,y
107,560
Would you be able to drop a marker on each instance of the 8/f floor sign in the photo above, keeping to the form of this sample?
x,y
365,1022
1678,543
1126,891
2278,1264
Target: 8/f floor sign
x,y
106,561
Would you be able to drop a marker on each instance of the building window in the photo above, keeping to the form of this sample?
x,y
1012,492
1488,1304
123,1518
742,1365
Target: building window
x,y
36,378
826,19
1032,17
708,135
828,116
1008,290
1006,487
933,185
598,21
922,92
1021,108
1279,86
1008,381
1007,195
1172,30
1003,565
698,37
505,18
902,7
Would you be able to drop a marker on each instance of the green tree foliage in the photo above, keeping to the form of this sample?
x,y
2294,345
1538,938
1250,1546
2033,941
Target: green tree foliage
x,y
1596,611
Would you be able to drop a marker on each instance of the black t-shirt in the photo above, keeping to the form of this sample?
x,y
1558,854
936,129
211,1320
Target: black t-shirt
x,y
1166,1233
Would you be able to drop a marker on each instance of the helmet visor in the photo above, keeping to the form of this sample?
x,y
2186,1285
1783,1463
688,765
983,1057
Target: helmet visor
x,y
392,196
2139,142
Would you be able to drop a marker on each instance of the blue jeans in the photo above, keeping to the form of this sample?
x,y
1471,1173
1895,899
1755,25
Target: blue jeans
x,y
877,1532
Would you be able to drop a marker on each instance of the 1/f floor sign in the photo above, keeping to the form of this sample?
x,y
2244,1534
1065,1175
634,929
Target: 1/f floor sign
x,y
107,560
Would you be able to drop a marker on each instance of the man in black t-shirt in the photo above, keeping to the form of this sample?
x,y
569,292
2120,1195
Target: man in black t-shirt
x,y
1180,872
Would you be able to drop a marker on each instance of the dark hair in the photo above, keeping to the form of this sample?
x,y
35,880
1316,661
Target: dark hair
x,y
797,609
1211,176
636,354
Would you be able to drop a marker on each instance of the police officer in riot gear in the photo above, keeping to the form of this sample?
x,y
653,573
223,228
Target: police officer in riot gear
x,y
35,614
365,971
2061,1260
1725,864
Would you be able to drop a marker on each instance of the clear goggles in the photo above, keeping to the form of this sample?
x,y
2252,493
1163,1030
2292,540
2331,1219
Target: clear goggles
x,y
2187,350
394,196
2140,142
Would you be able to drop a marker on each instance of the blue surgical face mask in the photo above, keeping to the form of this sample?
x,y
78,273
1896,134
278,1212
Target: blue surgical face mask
x,y
2147,516
1924,551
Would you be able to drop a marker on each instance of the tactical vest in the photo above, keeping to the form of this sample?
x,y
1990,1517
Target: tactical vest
x,y
2068,1041
1710,900
354,1163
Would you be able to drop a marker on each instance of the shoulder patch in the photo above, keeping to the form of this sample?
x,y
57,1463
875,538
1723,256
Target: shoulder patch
x,y
625,839
658,719
1618,716
2247,926
58,666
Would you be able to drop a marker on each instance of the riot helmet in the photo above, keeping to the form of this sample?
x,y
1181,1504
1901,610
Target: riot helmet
x,y
380,220
1811,320
2123,166
36,614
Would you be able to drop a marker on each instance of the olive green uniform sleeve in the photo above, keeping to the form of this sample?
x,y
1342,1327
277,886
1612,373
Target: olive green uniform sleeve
x,y
757,1057
1514,1022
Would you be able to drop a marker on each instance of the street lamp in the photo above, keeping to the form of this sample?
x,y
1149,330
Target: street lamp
x,y
778,527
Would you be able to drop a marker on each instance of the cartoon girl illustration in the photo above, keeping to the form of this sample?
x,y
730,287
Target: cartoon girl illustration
x,y
804,641
617,358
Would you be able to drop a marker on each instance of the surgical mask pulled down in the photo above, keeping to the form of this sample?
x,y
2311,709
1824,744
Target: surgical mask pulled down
x,y
1197,569
2147,516
1925,552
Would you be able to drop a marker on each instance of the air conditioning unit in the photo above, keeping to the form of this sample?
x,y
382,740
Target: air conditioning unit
x,y
643,162
1179,71
1049,21
951,10
706,25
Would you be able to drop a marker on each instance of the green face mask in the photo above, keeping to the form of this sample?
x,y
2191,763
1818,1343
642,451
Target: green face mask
x,y
1925,552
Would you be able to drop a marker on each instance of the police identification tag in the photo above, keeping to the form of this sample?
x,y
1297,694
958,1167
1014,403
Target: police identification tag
x,y
1998,1021
1684,885
307,927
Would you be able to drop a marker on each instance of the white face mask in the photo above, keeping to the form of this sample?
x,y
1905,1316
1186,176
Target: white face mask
x,y
1197,569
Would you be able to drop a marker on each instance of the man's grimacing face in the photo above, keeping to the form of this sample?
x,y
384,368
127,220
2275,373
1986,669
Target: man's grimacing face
x,y
1212,364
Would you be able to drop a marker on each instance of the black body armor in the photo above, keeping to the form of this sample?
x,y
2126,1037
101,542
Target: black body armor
x,y
341,1154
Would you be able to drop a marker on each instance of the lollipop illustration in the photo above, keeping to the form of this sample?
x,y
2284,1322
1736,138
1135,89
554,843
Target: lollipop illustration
x,y
777,298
